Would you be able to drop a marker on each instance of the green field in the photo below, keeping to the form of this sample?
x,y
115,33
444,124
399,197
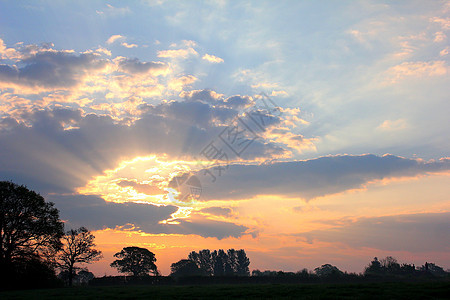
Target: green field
x,y
431,290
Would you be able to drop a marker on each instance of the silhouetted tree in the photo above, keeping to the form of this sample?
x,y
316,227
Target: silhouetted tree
x,y
221,263
185,267
28,224
374,268
390,265
328,270
242,263
136,261
304,273
78,248
433,269
30,230
204,261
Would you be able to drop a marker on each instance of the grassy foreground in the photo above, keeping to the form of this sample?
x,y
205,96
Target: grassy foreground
x,y
430,290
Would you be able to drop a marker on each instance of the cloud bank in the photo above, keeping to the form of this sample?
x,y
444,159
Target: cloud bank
x,y
313,178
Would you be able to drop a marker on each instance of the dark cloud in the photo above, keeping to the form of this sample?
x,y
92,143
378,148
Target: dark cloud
x,y
311,178
211,97
412,232
51,69
95,213
238,101
209,228
134,66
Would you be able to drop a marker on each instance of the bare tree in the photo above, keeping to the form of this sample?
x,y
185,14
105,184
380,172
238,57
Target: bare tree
x,y
78,248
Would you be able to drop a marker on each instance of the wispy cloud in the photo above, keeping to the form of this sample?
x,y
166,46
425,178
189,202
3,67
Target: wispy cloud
x,y
114,11
416,69
180,53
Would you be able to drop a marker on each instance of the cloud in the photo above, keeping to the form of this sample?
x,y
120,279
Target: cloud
x,y
445,23
215,99
416,69
114,11
439,37
114,38
126,45
178,83
217,211
95,213
407,232
103,51
86,144
311,178
133,66
141,188
393,125
8,53
180,53
212,58
206,95
49,70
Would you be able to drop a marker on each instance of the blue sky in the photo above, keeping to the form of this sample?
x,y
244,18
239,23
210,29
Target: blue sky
x,y
110,102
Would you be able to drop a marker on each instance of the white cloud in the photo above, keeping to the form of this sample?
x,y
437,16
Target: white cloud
x,y
212,58
126,45
104,51
114,38
180,53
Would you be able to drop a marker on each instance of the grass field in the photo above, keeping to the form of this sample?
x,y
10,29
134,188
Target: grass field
x,y
431,290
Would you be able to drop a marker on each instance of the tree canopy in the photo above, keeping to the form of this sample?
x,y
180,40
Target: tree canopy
x,y
328,270
135,261
30,232
28,224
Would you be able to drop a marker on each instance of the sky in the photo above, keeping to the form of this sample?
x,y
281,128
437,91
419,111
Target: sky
x,y
305,132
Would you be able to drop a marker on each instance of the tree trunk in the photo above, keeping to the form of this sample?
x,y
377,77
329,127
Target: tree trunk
x,y
70,275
